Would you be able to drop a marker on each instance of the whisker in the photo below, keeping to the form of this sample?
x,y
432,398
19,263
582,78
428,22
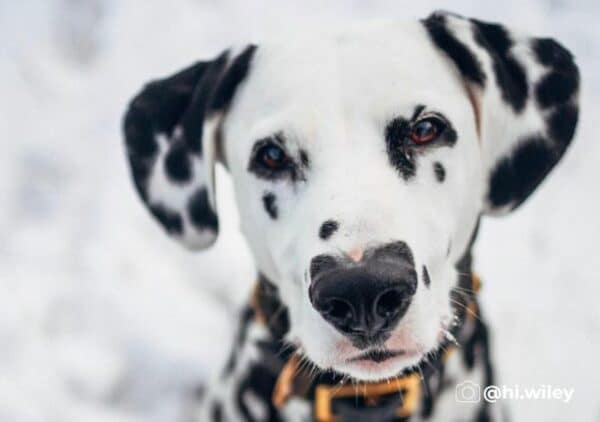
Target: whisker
x,y
466,308
462,290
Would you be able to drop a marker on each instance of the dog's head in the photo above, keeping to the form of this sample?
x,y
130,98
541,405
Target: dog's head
x,y
361,162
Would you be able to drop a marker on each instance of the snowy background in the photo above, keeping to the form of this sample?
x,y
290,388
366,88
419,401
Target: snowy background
x,y
102,318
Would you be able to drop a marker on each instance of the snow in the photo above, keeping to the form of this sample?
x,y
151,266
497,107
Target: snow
x,y
102,318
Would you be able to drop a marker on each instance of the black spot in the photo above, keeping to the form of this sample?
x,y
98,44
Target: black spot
x,y
216,412
170,219
465,263
140,171
246,317
259,380
509,73
180,101
214,92
463,58
516,176
556,88
417,112
552,54
270,204
304,160
178,164
400,155
426,279
201,214
440,171
139,135
236,72
156,110
327,229
160,105
561,124
194,116
269,302
476,347
320,264
449,136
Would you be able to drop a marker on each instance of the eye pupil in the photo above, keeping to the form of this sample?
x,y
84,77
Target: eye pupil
x,y
273,157
274,154
424,131
424,128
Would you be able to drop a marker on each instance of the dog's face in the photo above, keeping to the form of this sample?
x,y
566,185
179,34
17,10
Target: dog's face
x,y
361,163
355,147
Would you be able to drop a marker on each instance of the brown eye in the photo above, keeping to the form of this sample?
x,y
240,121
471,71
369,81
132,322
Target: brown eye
x,y
426,130
272,157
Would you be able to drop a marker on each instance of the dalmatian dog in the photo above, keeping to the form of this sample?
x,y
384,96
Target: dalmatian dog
x,y
362,163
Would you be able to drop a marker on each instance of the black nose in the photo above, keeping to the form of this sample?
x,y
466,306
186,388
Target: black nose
x,y
364,301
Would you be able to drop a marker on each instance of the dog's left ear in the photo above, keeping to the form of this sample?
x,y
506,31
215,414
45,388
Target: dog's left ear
x,y
524,92
171,130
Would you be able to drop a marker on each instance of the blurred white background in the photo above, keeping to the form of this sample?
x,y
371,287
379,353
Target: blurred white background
x,y
102,318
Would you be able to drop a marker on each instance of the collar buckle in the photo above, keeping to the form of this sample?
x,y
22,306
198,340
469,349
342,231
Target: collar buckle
x,y
407,386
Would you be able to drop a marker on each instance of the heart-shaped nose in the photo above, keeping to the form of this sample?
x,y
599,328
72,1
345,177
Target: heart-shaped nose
x,y
364,302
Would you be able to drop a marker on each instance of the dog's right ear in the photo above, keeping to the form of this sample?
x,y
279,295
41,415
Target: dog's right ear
x,y
171,129
525,96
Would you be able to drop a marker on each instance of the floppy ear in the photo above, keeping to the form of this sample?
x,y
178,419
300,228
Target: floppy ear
x,y
525,96
171,129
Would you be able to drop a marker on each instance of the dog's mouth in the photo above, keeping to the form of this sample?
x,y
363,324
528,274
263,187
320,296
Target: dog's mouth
x,y
379,355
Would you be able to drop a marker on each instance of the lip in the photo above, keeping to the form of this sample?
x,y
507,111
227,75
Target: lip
x,y
378,355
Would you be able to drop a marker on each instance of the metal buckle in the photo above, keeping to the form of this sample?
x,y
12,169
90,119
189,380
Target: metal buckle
x,y
407,386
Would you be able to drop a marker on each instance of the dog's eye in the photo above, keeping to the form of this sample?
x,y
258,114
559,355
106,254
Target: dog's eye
x,y
272,157
426,130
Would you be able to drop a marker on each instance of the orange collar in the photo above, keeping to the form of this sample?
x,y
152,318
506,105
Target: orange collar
x,y
408,386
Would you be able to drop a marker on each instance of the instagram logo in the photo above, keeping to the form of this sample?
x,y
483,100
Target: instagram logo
x,y
468,392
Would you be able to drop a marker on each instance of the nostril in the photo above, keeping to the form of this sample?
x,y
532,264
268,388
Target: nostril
x,y
338,310
389,303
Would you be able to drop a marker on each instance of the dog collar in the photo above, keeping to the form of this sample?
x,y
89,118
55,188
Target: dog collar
x,y
394,398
